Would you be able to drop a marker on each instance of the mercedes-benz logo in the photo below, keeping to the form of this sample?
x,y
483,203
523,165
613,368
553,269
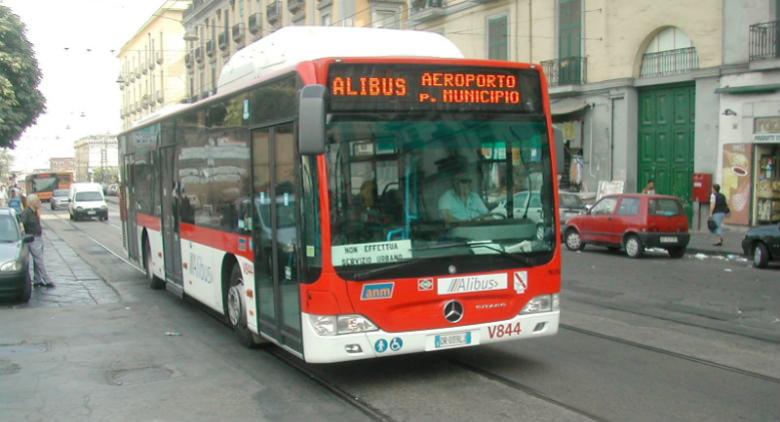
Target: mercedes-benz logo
x,y
453,311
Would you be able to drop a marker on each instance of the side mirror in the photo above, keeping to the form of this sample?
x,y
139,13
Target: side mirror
x,y
588,207
28,238
311,120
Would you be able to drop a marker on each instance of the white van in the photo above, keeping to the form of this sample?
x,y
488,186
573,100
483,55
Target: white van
x,y
87,201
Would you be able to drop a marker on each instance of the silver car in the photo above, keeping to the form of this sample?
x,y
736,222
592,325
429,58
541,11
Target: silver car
x,y
59,199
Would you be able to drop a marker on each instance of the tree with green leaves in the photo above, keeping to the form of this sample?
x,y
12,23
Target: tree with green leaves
x,y
20,100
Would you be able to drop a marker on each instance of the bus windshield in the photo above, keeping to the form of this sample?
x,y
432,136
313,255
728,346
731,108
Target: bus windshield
x,y
44,183
460,186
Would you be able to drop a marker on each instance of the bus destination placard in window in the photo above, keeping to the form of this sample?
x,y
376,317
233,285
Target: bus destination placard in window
x,y
410,87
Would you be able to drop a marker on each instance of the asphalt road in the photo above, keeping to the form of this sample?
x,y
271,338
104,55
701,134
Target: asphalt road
x,y
650,339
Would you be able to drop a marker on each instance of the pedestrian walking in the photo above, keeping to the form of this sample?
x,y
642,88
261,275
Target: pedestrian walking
x,y
15,202
718,210
31,219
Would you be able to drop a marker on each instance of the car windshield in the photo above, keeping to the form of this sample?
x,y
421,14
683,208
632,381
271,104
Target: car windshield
x,y
402,190
89,196
571,201
9,228
61,193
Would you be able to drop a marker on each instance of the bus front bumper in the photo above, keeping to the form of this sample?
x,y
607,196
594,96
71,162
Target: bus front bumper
x,y
375,344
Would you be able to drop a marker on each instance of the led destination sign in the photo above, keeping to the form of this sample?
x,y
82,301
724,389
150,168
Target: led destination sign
x,y
395,87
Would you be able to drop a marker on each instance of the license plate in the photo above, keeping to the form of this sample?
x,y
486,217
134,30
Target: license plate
x,y
668,239
90,212
452,340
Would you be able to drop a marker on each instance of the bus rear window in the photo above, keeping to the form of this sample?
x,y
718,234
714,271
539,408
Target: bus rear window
x,y
665,207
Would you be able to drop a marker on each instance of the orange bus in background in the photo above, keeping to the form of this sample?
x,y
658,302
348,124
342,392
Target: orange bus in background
x,y
44,184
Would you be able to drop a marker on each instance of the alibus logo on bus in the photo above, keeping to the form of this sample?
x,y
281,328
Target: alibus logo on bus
x,y
395,344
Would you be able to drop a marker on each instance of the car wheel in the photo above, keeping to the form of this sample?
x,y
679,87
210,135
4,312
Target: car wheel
x,y
235,309
155,282
24,296
633,246
760,255
678,252
573,240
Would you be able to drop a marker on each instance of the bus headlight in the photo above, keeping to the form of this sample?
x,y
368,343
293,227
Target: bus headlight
x,y
542,303
11,266
331,325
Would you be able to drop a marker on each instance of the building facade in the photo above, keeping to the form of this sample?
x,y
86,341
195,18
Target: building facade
x,y
152,73
97,159
62,164
639,89
749,113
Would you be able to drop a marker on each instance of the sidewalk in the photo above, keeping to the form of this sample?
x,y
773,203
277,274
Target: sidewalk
x,y
76,283
702,242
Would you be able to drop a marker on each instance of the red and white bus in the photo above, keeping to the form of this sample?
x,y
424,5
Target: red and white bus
x,y
354,193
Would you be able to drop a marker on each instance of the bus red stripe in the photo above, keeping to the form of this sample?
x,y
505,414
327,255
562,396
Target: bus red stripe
x,y
234,243
148,221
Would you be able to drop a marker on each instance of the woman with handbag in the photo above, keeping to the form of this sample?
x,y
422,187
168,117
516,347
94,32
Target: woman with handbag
x,y
718,210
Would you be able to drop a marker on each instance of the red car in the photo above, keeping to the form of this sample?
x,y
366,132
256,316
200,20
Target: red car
x,y
633,222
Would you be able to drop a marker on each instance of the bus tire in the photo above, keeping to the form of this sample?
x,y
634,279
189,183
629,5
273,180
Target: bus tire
x,y
235,309
155,282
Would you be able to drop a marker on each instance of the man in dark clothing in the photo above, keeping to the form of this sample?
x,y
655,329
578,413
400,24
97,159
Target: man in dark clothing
x,y
31,219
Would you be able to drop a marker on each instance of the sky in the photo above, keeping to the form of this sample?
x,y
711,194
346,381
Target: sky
x,y
73,42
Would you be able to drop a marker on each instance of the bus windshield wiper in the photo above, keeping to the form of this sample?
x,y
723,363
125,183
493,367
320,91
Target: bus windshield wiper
x,y
484,244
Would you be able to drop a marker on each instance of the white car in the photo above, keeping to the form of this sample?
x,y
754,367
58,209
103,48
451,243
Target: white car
x,y
87,201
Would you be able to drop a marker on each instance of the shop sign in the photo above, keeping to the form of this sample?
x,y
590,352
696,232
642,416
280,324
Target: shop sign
x,y
735,182
764,138
766,125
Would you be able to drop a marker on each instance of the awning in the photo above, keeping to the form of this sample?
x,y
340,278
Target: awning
x,y
749,89
568,106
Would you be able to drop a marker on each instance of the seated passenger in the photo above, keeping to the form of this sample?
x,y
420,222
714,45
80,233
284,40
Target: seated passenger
x,y
460,203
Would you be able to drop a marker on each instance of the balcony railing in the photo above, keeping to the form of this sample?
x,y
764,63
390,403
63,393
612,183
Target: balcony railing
x,y
670,62
210,49
764,41
294,5
566,71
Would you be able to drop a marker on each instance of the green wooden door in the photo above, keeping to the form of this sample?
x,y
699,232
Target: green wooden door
x,y
666,139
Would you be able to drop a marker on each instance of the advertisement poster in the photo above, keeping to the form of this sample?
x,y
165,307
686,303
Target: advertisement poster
x,y
735,184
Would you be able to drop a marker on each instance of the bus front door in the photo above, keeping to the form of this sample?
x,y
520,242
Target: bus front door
x,y
129,229
275,234
170,218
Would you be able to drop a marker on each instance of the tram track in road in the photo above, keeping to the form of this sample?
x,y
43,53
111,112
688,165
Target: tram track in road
x,y
677,355
280,355
515,385
627,310
331,387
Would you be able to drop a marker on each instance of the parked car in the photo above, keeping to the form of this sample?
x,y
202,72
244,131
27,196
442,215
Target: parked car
x,y
113,189
570,205
633,222
87,201
15,282
60,199
762,244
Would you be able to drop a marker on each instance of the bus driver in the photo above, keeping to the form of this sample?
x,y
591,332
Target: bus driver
x,y
460,203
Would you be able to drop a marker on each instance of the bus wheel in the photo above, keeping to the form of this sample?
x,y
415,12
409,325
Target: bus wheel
x,y
236,309
154,281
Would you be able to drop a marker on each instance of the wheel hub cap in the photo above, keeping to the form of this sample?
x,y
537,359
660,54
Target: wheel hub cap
x,y
234,304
